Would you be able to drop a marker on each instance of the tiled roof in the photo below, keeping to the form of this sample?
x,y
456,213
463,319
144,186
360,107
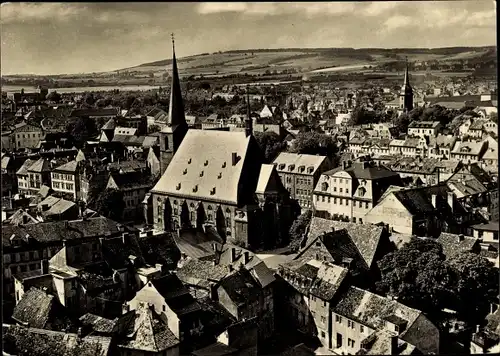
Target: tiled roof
x,y
95,112
380,343
464,188
195,271
423,124
57,230
28,341
148,332
216,349
40,310
99,324
453,244
371,309
56,205
203,166
71,167
176,295
109,125
468,147
442,141
368,172
298,163
365,237
197,244
116,253
132,180
328,280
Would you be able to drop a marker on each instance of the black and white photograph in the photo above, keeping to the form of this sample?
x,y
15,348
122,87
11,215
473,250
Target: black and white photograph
x,y
249,178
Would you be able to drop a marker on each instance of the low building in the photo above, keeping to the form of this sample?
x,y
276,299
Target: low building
x,y
300,174
486,232
468,151
424,128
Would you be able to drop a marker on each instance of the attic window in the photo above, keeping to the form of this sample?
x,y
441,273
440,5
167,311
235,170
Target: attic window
x,y
189,161
224,164
206,163
220,175
282,166
185,171
291,167
302,168
201,174
310,169
178,187
212,192
195,188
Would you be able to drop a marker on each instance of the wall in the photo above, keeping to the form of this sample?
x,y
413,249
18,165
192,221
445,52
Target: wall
x,y
227,303
320,311
349,330
392,212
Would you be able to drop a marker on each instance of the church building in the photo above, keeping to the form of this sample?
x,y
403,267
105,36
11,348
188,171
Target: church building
x,y
218,178
406,93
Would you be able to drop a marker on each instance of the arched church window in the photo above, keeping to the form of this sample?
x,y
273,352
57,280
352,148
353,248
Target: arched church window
x,y
209,207
175,202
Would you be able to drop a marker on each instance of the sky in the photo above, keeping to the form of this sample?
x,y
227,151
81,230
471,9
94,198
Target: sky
x,y
64,38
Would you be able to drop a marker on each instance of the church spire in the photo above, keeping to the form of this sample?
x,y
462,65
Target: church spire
x,y
176,114
248,119
406,82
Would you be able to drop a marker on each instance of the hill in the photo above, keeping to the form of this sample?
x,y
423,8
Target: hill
x,y
258,61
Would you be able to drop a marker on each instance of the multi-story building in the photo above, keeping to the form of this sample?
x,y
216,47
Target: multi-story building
x,y
24,135
468,151
66,178
350,191
300,173
424,128
441,146
32,175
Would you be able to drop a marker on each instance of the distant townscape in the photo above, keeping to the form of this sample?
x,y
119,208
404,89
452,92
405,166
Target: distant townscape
x,y
312,217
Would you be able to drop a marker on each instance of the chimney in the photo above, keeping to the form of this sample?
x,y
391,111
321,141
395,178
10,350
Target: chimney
x,y
45,266
214,246
234,158
434,201
460,238
213,292
450,201
344,164
233,254
112,157
478,328
230,268
246,257
80,332
394,345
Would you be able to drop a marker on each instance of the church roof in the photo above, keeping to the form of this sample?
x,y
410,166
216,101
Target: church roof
x,y
208,164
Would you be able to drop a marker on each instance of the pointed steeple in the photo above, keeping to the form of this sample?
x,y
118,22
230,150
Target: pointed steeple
x,y
248,119
176,115
406,82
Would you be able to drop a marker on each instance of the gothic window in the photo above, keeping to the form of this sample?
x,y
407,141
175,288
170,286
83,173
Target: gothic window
x,y
209,207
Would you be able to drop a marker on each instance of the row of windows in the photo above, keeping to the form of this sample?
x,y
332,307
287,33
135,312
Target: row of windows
x,y
24,268
67,186
62,176
340,190
350,324
299,180
303,191
305,203
28,135
341,201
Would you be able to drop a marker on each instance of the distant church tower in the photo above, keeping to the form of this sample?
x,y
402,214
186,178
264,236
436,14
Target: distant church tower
x,y
172,135
406,94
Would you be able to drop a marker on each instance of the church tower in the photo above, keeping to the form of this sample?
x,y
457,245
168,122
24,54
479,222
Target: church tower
x,y
406,93
172,135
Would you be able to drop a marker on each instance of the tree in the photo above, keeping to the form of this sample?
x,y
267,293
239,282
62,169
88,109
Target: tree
x,y
54,96
401,122
494,117
82,129
417,275
314,143
110,204
475,285
270,144
298,230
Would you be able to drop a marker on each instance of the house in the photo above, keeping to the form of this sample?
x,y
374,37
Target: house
x,y
25,135
53,209
424,211
66,178
350,190
38,309
424,128
489,161
486,340
170,299
28,183
360,316
32,341
454,244
219,178
310,288
468,151
133,186
440,146
300,174
428,171
487,232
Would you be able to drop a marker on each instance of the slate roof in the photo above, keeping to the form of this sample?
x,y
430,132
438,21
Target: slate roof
x,y
380,343
452,246
109,125
210,152
21,217
56,231
56,205
286,161
132,180
27,340
148,332
98,323
371,309
467,147
40,310
491,226
365,237
198,244
369,172
196,271
464,188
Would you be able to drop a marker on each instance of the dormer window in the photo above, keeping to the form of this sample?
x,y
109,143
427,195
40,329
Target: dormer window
x,y
220,175
291,167
282,166
302,169
178,187
324,186
201,174
212,191
189,161
310,170
224,165
195,188
185,171
206,163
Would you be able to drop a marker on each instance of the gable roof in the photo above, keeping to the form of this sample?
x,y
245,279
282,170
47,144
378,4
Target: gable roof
x,y
371,309
454,244
24,168
359,170
39,309
71,167
42,165
240,287
365,237
176,295
148,332
264,177
203,162
291,162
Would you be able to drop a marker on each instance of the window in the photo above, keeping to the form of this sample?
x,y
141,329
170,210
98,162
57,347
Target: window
x,y
323,319
334,200
334,189
347,191
340,201
23,268
350,342
340,190
340,180
328,199
323,199
338,319
361,328
339,340
360,220
164,308
323,334
366,205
